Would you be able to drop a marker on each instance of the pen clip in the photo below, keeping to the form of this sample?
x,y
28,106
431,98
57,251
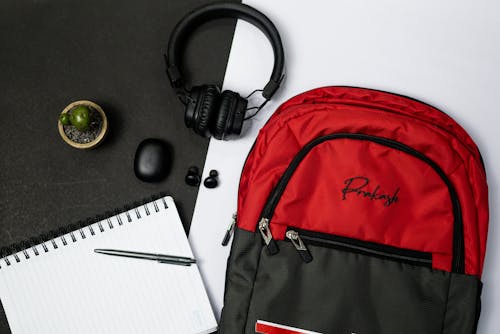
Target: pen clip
x,y
186,264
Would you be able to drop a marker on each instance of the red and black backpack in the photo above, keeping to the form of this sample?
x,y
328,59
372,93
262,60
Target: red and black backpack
x,y
359,211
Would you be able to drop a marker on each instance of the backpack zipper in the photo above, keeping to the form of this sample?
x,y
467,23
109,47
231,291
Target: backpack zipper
x,y
299,245
458,264
229,230
266,234
355,246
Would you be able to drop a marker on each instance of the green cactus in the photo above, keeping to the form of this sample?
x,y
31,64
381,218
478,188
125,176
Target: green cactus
x,y
79,117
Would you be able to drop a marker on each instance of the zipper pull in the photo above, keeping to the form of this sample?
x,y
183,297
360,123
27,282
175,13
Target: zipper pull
x,y
265,231
229,231
299,245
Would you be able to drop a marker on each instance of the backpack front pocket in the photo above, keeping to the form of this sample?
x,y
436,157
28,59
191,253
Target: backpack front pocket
x,y
346,290
368,188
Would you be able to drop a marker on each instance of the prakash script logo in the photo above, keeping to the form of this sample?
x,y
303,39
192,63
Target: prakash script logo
x,y
359,186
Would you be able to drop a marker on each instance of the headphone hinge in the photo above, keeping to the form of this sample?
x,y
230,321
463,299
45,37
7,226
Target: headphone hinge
x,y
271,88
174,75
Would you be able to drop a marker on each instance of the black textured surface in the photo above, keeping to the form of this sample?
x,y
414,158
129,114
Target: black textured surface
x,y
54,52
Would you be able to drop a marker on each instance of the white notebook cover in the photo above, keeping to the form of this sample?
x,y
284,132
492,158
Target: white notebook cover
x,y
72,289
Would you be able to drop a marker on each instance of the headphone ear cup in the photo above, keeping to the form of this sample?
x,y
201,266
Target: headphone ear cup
x,y
229,119
201,109
221,119
190,108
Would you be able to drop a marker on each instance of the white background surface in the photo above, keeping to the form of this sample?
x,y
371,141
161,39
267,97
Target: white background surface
x,y
445,53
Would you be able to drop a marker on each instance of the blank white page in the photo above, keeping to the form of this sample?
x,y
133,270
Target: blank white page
x,y
72,289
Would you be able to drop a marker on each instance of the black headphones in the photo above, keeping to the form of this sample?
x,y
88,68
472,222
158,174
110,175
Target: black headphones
x,y
208,111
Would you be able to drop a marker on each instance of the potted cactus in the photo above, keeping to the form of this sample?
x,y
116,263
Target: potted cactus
x,y
83,124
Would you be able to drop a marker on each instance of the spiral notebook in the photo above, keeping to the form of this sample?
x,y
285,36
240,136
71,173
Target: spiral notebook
x,y
59,285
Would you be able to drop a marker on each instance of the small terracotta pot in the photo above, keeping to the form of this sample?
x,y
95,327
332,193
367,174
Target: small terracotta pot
x,y
98,139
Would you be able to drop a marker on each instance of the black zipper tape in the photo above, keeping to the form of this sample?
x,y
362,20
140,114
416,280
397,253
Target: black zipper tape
x,y
458,262
365,247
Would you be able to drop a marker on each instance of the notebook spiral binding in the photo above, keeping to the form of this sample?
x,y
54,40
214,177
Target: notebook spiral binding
x,y
59,237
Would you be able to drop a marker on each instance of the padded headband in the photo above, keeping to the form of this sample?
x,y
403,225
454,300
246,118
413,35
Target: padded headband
x,y
222,10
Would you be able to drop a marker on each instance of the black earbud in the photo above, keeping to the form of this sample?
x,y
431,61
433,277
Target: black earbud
x,y
211,181
193,177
